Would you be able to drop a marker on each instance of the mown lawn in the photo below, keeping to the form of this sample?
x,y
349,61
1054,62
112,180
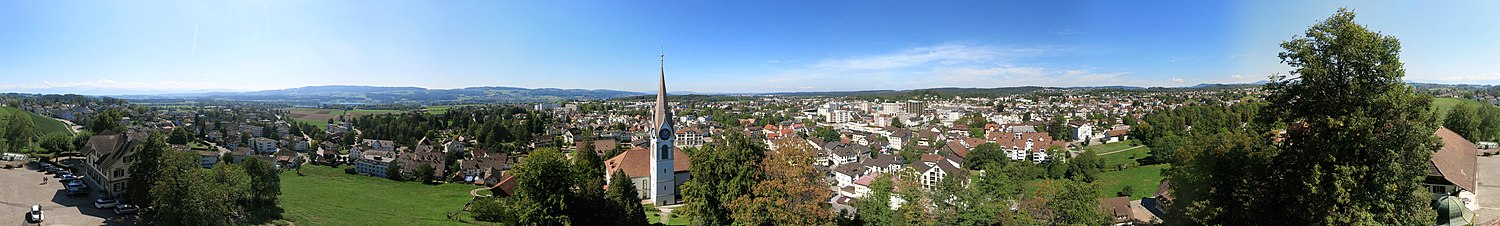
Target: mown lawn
x,y
1442,105
328,196
1141,179
653,216
1124,157
1103,148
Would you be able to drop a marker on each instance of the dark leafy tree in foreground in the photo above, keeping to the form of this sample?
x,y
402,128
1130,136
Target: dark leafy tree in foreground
x,y
624,201
1356,144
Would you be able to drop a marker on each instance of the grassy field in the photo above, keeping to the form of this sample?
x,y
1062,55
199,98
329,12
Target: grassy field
x,y
44,124
357,113
1443,105
328,196
653,216
1103,148
1129,156
1142,180
441,109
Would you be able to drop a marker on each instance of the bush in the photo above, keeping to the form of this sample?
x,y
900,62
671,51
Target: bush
x,y
349,170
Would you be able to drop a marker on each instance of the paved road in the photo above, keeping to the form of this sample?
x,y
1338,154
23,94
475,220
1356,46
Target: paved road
x,y
22,187
1489,190
1122,150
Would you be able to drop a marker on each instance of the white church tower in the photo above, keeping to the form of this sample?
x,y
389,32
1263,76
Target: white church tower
x,y
663,186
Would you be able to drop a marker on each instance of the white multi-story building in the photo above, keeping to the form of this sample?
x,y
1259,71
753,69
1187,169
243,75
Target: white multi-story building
x,y
263,145
374,163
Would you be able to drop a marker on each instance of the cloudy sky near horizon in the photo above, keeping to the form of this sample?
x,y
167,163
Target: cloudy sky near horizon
x,y
119,47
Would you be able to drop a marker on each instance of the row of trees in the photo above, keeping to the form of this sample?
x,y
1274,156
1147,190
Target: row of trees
x,y
1340,141
174,190
1475,122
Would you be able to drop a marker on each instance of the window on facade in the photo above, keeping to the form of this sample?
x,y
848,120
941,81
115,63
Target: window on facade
x,y
1438,189
119,173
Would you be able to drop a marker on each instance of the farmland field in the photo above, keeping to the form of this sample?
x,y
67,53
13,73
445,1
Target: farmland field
x,y
44,124
1442,105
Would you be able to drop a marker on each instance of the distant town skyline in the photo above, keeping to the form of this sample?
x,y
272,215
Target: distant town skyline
x,y
711,47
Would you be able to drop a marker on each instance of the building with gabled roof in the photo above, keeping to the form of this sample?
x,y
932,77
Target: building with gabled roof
x,y
1453,169
105,160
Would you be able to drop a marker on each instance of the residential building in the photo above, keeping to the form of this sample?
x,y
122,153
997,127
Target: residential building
x,y
1453,169
374,163
104,160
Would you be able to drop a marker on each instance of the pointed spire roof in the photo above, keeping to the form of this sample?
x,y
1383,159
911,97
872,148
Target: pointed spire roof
x,y
661,113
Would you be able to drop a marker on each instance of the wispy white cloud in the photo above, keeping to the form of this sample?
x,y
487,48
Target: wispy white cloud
x,y
943,66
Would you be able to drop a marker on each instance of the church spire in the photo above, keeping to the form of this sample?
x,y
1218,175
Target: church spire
x,y
661,113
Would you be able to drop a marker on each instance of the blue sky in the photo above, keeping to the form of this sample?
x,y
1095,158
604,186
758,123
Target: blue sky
x,y
119,47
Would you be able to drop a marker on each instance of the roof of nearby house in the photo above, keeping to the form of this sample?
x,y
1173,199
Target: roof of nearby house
x,y
845,149
853,169
867,179
1117,206
1164,190
110,146
507,185
1116,133
637,162
1456,160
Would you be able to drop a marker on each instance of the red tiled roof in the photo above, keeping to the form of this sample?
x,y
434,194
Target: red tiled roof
x,y
865,180
636,162
508,185
1456,160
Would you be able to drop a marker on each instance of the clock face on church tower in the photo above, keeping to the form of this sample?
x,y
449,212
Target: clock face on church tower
x,y
665,134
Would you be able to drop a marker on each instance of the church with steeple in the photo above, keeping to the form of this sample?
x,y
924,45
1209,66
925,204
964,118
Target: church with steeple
x,y
660,169
664,188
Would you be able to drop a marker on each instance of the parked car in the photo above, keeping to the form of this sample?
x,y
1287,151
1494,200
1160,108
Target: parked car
x,y
77,184
102,203
60,173
35,216
68,178
123,209
77,191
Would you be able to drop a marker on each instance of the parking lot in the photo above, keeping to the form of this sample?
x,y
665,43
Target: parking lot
x,y
22,187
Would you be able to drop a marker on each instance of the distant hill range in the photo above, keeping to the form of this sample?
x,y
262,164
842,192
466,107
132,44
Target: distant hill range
x,y
374,95
317,95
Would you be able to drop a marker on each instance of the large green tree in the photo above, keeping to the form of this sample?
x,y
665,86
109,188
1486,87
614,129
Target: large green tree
x,y
543,187
1465,120
265,181
109,120
1356,144
624,202
1084,167
20,131
1076,203
146,166
588,174
57,142
722,172
791,193
875,207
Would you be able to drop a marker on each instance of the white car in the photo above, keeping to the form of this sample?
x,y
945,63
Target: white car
x,y
35,216
105,203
